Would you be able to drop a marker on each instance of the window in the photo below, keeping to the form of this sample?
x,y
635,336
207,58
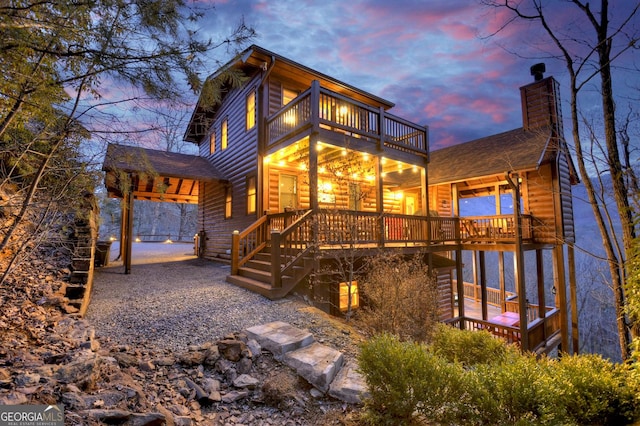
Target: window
x,y
251,110
252,195
288,192
344,295
224,134
288,95
227,202
212,142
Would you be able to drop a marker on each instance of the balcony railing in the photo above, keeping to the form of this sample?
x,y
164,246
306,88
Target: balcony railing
x,y
323,108
495,228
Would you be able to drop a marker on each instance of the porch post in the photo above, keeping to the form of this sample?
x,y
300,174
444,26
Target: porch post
x,y
460,287
575,335
518,259
128,232
313,146
483,286
503,290
561,293
380,201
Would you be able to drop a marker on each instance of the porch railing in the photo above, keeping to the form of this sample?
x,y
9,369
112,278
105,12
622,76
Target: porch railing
x,y
473,291
540,330
495,228
323,108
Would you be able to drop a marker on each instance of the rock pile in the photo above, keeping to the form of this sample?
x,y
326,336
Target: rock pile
x,y
50,356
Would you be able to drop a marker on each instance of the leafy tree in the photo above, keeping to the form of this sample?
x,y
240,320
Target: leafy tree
x,y
589,49
70,67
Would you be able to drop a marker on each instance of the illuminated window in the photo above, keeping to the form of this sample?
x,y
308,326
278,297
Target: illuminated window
x,y
224,134
227,202
251,110
252,195
288,95
212,142
344,296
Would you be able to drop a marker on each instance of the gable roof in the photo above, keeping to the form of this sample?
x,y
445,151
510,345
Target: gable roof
x,y
515,150
158,175
256,59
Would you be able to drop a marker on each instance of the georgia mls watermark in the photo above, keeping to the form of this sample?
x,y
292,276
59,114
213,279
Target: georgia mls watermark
x,y
31,415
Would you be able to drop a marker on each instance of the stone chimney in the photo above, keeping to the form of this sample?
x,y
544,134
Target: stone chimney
x,y
541,102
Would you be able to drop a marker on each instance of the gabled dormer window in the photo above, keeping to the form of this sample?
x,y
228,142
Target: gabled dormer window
x,y
251,110
224,129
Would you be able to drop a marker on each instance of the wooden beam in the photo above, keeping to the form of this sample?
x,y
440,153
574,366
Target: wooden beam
x,y
129,233
575,335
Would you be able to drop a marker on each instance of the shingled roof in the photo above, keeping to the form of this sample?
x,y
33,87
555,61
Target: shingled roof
x,y
515,150
141,160
157,175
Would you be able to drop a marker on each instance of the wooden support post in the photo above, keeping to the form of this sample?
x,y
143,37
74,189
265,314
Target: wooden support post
x,y
561,294
503,289
483,285
518,259
276,278
474,267
542,305
460,287
128,232
235,252
575,335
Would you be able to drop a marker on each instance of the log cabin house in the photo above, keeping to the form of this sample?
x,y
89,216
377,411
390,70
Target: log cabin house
x,y
297,171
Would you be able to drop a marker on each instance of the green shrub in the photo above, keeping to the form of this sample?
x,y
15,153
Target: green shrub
x,y
468,348
390,368
467,378
595,391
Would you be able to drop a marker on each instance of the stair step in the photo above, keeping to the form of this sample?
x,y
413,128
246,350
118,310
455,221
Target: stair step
x,y
255,274
74,291
318,364
259,265
256,286
279,337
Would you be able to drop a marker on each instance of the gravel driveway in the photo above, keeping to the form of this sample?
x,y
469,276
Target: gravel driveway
x,y
172,300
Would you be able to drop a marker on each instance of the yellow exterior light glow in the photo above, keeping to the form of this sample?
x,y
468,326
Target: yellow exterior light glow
x,y
344,296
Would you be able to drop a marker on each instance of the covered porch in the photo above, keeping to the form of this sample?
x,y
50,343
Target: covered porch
x,y
500,316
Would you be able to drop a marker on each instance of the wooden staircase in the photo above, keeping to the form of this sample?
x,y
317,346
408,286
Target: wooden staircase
x,y
257,274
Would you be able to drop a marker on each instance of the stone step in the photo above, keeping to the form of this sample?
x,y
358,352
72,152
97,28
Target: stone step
x,y
279,337
318,364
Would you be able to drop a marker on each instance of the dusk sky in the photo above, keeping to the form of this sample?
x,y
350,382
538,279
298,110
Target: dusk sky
x,y
434,59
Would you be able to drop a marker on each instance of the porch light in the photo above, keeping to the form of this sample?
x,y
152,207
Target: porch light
x,y
343,110
112,238
355,175
365,156
267,159
400,170
303,166
344,152
415,169
322,169
319,146
383,161
398,195
281,163
138,239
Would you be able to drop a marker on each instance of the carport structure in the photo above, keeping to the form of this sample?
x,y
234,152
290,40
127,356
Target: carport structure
x,y
134,173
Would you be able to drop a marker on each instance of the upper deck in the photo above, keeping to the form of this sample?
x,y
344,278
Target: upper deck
x,y
329,113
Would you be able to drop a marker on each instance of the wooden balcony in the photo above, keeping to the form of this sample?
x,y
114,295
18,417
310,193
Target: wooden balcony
x,y
320,108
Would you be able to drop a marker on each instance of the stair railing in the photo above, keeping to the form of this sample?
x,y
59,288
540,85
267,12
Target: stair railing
x,y
245,244
289,246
